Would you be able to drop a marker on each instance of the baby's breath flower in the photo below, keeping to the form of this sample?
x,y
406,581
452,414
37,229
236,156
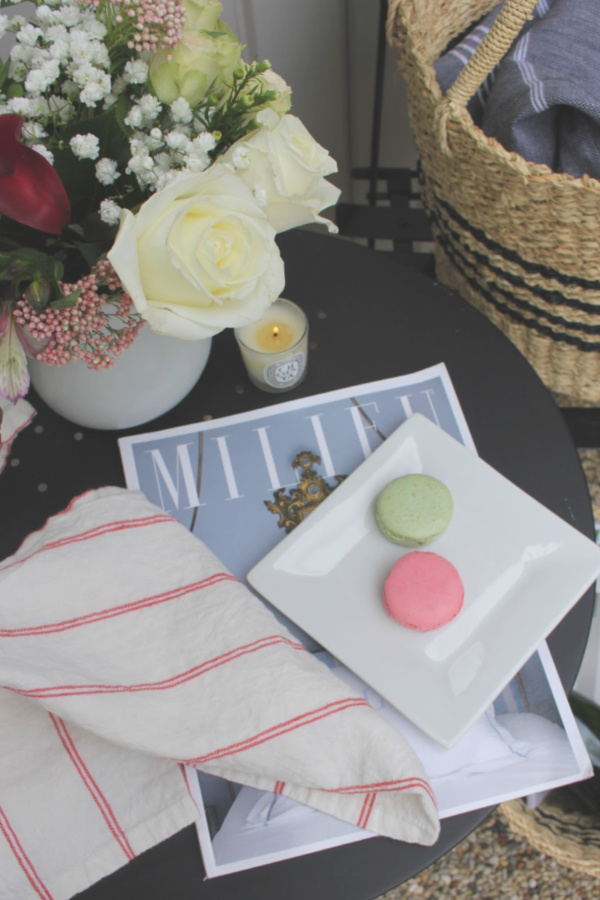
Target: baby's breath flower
x,y
39,80
175,140
110,212
205,141
28,35
197,162
70,15
260,195
45,14
95,91
240,158
39,107
43,151
85,146
19,105
136,71
135,117
95,27
33,131
59,49
106,171
150,107
181,111
141,163
85,73
162,163
18,70
164,179
57,32
58,107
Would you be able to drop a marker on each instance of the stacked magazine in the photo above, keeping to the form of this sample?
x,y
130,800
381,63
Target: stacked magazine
x,y
234,482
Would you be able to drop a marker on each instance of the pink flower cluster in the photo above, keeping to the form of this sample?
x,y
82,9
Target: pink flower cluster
x,y
156,24
96,329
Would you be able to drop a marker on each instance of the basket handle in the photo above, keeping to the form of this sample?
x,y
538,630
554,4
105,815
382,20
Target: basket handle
x,y
491,50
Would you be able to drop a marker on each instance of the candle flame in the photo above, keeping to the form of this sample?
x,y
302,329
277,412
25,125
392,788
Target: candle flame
x,y
275,331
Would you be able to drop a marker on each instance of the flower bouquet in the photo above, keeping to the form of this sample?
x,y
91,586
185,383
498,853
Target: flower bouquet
x,y
145,171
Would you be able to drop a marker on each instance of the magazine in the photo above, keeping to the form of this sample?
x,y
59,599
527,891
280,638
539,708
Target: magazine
x,y
233,483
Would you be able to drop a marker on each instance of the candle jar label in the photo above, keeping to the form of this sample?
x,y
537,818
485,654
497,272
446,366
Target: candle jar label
x,y
286,372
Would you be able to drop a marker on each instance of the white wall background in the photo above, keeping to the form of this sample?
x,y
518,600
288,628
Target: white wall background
x,y
326,51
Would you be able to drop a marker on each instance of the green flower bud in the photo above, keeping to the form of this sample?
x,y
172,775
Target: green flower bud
x,y
39,293
203,61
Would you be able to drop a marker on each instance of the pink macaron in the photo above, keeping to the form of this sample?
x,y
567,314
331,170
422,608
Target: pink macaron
x,y
423,591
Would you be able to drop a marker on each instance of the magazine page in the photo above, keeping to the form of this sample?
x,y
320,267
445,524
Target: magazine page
x,y
527,742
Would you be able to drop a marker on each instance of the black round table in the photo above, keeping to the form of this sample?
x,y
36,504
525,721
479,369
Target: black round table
x,y
370,318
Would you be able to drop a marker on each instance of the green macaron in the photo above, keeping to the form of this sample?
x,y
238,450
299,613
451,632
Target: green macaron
x,y
414,509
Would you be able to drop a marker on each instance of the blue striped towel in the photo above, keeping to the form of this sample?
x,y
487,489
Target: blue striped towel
x,y
543,99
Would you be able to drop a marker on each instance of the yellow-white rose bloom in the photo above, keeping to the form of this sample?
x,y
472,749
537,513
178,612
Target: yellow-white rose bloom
x,y
286,169
199,256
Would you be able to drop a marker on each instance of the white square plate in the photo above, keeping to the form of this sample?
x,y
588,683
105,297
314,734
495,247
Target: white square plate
x,y
522,566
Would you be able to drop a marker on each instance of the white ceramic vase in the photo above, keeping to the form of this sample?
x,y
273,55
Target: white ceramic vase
x,y
146,380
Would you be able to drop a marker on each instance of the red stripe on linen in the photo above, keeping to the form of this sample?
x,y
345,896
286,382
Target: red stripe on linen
x,y
74,690
99,531
402,784
275,731
46,525
101,615
23,860
279,786
91,784
366,809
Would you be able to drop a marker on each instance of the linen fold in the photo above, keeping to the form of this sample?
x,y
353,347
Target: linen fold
x,y
126,649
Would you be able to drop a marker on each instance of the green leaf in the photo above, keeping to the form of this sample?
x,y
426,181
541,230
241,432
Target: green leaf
x,y
4,71
66,301
15,90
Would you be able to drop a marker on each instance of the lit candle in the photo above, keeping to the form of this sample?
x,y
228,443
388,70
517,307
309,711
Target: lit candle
x,y
274,349
274,338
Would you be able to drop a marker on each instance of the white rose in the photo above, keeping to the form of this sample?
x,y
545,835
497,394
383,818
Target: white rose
x,y
282,159
199,256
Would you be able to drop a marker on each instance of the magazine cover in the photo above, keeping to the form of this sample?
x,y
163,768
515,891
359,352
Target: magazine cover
x,y
230,480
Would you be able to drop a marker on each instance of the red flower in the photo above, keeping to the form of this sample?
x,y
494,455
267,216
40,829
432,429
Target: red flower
x,y
30,190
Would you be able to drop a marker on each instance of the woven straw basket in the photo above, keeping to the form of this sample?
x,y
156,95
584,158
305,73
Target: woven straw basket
x,y
559,828
518,241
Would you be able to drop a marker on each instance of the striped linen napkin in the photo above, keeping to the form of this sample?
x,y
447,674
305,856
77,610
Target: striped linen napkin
x,y
125,650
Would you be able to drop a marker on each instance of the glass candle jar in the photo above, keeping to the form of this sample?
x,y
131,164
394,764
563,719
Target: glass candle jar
x,y
275,348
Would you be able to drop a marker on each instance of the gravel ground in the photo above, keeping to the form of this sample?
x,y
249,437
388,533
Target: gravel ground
x,y
494,863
